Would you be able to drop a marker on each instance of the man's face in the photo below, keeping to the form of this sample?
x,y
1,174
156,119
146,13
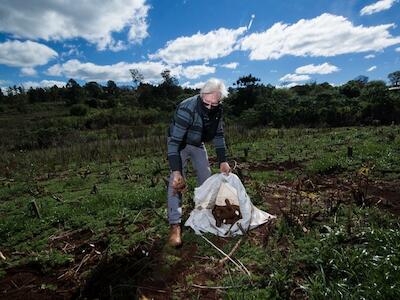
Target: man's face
x,y
211,100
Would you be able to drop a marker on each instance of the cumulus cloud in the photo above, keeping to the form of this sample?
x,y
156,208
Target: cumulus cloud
x,y
232,65
377,7
369,56
43,83
3,84
197,85
193,72
120,71
214,44
371,69
294,77
26,54
326,35
92,20
324,68
28,72
288,85
72,50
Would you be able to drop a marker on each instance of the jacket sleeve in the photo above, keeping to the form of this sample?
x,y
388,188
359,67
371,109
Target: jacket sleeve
x,y
219,142
183,118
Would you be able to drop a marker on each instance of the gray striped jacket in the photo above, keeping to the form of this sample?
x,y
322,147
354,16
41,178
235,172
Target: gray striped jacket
x,y
187,128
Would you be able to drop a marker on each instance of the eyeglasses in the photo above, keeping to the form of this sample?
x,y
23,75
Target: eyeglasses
x,y
207,104
208,97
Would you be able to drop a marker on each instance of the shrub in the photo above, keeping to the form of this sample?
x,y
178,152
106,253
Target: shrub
x,y
78,110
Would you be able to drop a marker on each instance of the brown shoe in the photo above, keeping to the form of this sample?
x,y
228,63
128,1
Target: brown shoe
x,y
175,239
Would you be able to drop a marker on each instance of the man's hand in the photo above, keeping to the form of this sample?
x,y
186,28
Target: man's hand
x,y
178,182
225,168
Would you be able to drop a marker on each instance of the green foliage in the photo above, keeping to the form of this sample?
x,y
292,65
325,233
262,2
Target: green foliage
x,y
78,110
326,165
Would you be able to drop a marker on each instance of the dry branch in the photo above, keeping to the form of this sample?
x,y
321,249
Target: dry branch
x,y
223,260
244,270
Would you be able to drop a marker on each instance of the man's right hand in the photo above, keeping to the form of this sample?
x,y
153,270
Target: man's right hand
x,y
178,182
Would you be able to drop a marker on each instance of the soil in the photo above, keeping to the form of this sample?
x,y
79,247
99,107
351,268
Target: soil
x,y
148,271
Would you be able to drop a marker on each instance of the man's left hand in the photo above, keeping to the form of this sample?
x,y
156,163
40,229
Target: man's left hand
x,y
225,168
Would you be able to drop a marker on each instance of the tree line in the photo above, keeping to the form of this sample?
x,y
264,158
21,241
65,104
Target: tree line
x,y
357,102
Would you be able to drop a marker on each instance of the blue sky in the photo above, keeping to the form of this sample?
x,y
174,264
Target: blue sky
x,y
283,43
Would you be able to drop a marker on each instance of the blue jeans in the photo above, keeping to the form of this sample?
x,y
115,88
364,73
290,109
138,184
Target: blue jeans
x,y
199,158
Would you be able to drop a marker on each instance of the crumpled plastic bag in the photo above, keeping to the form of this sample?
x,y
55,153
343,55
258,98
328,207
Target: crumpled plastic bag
x,y
201,219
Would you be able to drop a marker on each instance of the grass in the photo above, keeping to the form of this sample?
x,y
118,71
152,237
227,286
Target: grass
x,y
351,254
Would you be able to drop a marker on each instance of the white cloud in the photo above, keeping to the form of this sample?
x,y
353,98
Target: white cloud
x,y
25,54
377,7
119,72
232,65
92,20
197,85
214,44
325,35
371,69
3,84
193,72
289,85
73,50
398,49
369,56
294,77
324,68
28,72
43,83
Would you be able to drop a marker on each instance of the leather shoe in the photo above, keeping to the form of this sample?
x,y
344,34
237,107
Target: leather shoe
x,y
175,239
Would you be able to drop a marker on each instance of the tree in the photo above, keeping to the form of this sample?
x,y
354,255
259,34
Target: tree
x,y
168,91
247,81
169,80
246,94
352,88
137,77
93,89
54,93
394,78
361,78
377,105
1,95
36,95
73,92
112,88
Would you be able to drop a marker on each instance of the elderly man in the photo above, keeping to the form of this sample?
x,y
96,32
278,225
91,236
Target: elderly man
x,y
197,119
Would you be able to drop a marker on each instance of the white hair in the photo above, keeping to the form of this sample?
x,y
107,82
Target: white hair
x,y
214,85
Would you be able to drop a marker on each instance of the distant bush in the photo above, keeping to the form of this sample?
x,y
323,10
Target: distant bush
x,y
50,137
78,110
126,117
92,102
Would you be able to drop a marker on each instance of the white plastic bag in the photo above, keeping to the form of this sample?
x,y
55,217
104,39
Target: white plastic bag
x,y
201,219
